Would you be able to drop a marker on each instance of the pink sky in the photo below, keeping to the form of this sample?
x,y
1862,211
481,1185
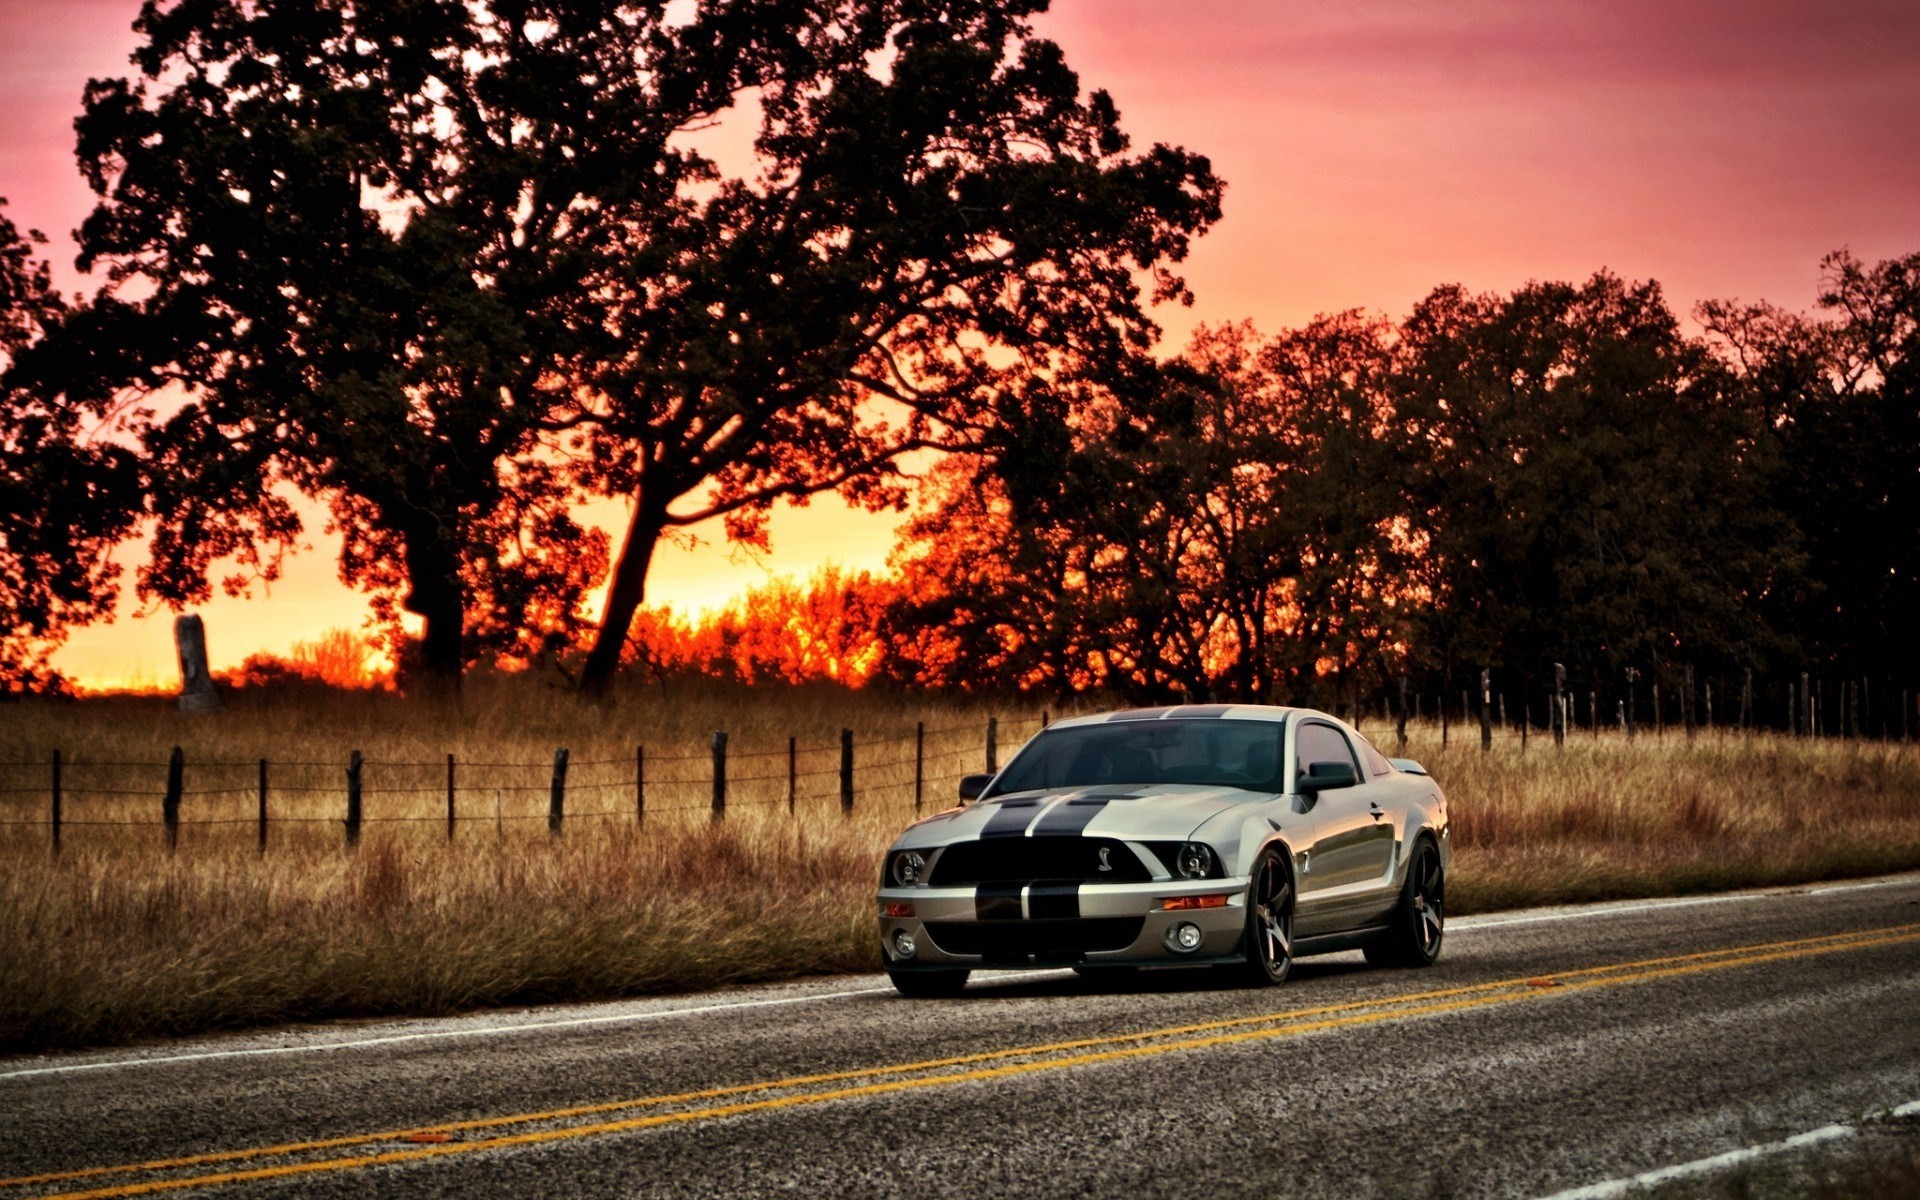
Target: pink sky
x,y
1372,150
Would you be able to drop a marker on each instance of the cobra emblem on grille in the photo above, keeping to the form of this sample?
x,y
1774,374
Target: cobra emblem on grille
x,y
1104,864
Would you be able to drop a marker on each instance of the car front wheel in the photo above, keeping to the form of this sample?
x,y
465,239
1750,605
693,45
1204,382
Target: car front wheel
x,y
1269,936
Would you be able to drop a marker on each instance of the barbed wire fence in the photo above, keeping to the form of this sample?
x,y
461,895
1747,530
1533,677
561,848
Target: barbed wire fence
x,y
61,793
913,769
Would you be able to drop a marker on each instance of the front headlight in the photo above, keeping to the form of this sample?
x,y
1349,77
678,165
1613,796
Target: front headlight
x,y
1194,861
906,867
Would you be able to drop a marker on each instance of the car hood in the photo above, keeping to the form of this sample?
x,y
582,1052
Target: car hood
x,y
1157,812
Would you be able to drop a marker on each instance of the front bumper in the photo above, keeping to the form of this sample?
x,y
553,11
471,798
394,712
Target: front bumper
x,y
1009,926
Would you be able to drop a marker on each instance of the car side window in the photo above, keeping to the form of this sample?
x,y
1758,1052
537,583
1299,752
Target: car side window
x,y
1322,743
1377,763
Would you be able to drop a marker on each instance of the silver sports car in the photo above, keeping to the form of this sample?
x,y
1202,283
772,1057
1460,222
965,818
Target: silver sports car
x,y
1236,835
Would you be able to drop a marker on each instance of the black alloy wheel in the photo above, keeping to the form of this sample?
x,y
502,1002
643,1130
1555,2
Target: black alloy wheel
x,y
1420,919
1270,898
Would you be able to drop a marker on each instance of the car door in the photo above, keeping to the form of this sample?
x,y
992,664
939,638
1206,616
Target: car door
x,y
1345,882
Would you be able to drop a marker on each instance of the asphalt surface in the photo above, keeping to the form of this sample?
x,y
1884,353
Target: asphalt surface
x,y
1549,1050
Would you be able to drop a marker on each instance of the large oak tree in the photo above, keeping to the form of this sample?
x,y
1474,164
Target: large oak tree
x,y
68,492
447,266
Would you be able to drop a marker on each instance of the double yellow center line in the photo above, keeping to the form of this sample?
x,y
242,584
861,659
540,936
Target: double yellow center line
x,y
567,1124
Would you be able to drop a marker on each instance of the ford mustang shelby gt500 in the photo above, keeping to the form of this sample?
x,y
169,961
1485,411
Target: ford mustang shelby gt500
x,y
1235,835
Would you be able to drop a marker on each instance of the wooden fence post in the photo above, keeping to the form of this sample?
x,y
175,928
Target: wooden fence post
x,y
1400,728
1686,703
846,771
1559,704
263,806
354,763
170,804
920,760
793,772
993,744
557,794
719,773
1746,703
1806,705
1486,709
56,803
1627,704
449,799
1593,712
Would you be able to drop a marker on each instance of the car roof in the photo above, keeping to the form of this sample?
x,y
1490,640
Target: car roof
x,y
1191,712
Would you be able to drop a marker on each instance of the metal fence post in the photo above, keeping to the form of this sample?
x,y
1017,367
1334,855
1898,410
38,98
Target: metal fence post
x,y
919,761
1486,710
639,785
170,804
354,763
449,799
263,806
793,772
557,795
719,773
846,771
993,744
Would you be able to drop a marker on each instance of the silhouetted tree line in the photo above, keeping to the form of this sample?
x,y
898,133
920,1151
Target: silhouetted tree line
x,y
1557,475
450,270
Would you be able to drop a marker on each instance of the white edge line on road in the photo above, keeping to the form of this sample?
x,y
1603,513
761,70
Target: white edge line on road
x,y
1468,925
476,1031
659,1014
1475,924
1607,1189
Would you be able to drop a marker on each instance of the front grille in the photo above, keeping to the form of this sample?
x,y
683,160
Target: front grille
x,y
1019,941
1026,860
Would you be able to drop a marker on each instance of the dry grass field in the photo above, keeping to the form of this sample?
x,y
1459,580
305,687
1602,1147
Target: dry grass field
x,y
116,938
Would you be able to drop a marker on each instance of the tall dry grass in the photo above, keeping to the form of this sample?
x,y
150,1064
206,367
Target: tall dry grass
x,y
117,939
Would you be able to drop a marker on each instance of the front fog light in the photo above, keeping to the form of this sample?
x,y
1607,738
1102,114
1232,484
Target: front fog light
x,y
903,946
1184,938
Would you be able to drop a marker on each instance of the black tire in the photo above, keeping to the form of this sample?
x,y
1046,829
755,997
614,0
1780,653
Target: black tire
x,y
1270,904
925,985
1419,923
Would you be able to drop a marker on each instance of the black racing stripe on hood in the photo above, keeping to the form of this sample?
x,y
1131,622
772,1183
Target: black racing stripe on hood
x,y
998,902
1072,818
1012,819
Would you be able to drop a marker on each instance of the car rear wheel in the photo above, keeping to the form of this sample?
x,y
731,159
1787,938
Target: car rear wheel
x,y
928,984
1269,936
1419,922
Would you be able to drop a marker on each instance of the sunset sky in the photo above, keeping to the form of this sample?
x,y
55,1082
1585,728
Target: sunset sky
x,y
1372,150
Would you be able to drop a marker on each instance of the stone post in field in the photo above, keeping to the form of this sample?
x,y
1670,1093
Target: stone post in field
x,y
196,685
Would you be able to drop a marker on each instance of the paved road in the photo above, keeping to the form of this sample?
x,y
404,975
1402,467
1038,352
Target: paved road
x,y
1549,1050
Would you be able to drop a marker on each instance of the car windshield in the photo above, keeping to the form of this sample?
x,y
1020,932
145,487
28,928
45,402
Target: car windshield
x,y
1221,753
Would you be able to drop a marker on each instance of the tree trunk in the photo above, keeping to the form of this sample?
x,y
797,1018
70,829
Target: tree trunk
x,y
435,594
624,596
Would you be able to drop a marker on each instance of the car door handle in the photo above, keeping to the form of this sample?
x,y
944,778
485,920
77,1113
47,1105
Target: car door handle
x,y
1375,811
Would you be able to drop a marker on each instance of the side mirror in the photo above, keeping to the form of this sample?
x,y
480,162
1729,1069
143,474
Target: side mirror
x,y
1325,777
972,785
